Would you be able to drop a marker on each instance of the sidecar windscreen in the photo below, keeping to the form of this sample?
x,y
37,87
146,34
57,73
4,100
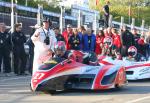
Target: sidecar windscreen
x,y
50,63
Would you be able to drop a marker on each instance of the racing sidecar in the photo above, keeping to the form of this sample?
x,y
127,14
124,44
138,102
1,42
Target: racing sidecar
x,y
134,70
61,74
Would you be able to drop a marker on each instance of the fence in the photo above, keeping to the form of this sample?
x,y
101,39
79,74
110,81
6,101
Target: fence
x,y
26,21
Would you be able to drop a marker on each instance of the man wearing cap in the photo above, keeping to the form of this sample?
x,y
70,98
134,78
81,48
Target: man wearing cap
x,y
44,40
67,33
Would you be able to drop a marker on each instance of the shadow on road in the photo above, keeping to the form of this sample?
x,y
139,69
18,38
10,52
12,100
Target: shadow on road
x,y
133,87
125,90
140,81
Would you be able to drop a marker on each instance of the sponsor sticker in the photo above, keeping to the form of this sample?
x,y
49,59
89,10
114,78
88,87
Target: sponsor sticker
x,y
144,71
91,69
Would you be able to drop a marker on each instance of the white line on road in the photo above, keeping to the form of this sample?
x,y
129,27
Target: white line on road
x,y
14,85
139,99
13,78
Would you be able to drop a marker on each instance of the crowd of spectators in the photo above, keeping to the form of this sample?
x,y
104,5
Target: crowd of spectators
x,y
108,42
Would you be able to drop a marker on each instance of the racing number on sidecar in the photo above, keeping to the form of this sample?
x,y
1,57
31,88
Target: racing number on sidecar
x,y
121,75
38,76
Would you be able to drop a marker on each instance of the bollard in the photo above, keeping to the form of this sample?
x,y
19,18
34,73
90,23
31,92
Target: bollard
x,y
142,26
12,30
122,22
62,19
12,16
133,23
95,23
16,17
79,18
39,14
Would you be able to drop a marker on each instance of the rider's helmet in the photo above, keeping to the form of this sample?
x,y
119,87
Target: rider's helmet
x,y
132,51
60,48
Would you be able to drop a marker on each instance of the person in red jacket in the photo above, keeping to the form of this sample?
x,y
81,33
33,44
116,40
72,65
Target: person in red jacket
x,y
66,34
142,46
99,42
116,39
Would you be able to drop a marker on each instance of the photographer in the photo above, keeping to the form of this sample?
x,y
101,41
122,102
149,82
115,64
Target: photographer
x,y
44,40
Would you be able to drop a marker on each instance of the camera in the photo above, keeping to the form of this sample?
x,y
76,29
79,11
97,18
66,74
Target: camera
x,y
46,41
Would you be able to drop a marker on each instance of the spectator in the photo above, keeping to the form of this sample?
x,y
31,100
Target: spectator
x,y
116,39
59,37
115,53
92,32
66,34
44,40
121,29
109,31
127,40
99,42
147,41
74,40
106,32
18,39
5,47
82,31
136,37
108,40
142,46
106,14
31,48
107,46
89,41
147,37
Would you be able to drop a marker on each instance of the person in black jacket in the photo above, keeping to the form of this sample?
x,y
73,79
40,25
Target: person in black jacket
x,y
5,47
74,40
136,38
106,14
127,40
59,37
18,39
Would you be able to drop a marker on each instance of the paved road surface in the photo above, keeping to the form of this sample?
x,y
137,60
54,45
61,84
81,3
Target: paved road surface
x,y
16,90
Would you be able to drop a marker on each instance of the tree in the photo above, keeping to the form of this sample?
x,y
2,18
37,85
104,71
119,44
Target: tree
x,y
50,2
120,8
